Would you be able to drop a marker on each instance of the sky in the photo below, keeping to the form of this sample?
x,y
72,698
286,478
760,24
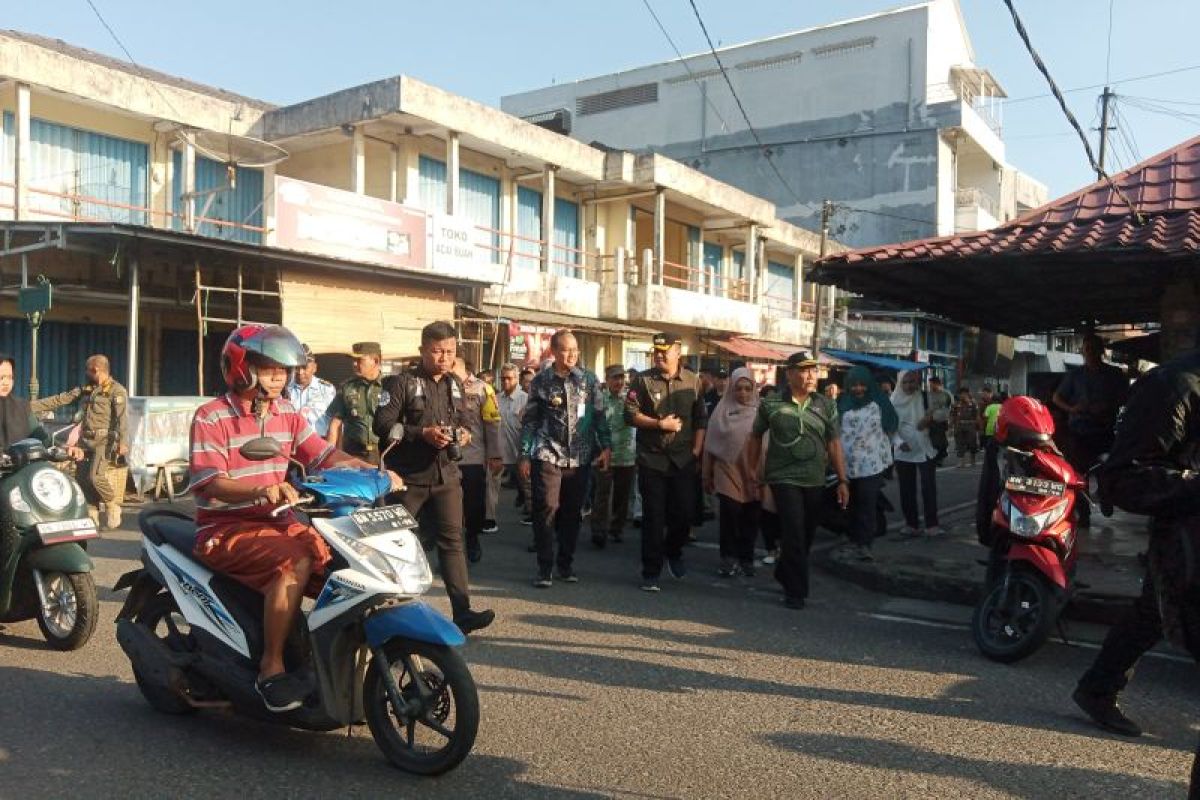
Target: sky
x,y
289,51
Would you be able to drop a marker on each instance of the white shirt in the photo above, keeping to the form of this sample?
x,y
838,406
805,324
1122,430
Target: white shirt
x,y
868,448
313,402
920,448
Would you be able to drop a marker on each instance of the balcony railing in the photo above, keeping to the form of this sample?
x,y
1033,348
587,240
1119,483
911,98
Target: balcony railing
x,y
972,197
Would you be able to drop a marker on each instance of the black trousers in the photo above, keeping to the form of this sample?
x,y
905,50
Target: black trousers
x,y
769,523
907,474
739,528
864,502
799,515
474,490
558,495
1083,452
446,503
674,489
610,506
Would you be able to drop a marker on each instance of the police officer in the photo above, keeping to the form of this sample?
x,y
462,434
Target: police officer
x,y
419,420
352,410
666,405
104,437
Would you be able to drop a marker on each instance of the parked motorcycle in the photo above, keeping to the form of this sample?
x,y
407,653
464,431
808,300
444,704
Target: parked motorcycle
x,y
1031,534
373,650
45,574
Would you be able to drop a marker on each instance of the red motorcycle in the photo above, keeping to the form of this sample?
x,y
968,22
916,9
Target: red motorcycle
x,y
1031,491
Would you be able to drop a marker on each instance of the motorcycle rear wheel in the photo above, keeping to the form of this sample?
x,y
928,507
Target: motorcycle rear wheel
x,y
1007,629
162,617
433,742
69,617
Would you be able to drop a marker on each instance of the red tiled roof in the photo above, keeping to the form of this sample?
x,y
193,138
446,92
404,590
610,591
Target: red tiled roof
x,y
1165,189
1086,254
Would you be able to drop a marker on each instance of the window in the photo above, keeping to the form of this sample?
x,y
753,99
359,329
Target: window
x,y
528,248
241,205
780,288
714,258
566,256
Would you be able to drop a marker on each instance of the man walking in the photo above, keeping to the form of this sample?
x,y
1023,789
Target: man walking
x,y
512,399
480,454
419,418
940,403
104,438
610,506
312,396
352,410
665,404
562,435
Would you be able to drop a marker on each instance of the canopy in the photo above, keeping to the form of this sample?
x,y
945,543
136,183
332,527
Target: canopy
x,y
898,364
1083,259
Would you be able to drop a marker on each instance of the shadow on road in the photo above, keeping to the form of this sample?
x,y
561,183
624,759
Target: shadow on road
x,y
1016,779
109,743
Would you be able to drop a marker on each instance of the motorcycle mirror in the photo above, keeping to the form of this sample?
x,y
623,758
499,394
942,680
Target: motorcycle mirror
x,y
261,449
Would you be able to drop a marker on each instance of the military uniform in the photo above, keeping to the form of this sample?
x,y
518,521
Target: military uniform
x,y
355,406
666,463
104,433
410,402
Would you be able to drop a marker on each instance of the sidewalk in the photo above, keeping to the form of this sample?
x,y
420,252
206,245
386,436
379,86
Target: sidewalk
x,y
948,568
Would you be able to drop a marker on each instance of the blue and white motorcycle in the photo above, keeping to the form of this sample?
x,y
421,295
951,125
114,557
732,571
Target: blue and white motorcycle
x,y
372,649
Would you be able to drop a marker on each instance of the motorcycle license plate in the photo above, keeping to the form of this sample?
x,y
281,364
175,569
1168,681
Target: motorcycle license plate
x,y
67,530
1039,486
372,521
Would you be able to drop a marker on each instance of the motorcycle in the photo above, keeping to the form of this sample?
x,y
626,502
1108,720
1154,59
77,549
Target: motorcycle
x,y
372,648
45,572
1031,535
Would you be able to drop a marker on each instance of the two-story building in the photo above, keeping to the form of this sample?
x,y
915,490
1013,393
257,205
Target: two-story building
x,y
165,212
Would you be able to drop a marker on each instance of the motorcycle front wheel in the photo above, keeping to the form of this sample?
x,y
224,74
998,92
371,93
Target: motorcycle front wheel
x,y
1012,622
68,610
434,729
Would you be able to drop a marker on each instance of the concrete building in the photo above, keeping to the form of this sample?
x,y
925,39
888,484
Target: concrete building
x,y
156,208
888,115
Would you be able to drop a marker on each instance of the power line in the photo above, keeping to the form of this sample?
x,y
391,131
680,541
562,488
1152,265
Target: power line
x,y
765,150
1087,147
844,207
132,60
1117,82
683,62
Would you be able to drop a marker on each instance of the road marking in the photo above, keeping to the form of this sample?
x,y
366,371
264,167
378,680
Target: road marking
x,y
924,623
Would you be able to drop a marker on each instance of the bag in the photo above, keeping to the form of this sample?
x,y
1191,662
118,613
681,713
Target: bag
x,y
938,435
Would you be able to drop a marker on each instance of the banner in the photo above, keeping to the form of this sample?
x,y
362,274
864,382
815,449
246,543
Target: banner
x,y
529,345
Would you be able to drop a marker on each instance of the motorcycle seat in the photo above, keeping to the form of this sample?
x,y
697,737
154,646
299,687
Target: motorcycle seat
x,y
170,528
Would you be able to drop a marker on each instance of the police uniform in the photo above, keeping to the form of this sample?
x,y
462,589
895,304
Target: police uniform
x,y
410,402
666,464
355,406
104,432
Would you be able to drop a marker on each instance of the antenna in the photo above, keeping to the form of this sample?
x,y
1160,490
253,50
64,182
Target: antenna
x,y
229,149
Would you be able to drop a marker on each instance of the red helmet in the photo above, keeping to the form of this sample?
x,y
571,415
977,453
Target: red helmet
x,y
1024,421
253,346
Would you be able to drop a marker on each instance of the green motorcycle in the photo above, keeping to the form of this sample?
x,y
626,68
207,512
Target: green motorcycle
x,y
45,572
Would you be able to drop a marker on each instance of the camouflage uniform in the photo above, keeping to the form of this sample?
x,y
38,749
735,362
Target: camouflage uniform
x,y
104,430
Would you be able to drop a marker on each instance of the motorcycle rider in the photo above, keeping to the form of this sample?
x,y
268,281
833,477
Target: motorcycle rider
x,y
1154,468
281,557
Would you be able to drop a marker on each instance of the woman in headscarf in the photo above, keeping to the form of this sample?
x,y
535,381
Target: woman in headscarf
x,y
915,456
868,422
16,420
728,472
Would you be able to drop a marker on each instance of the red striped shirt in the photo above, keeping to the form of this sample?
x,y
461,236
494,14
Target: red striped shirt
x,y
223,425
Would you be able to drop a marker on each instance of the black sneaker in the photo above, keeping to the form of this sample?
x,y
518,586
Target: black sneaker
x,y
281,692
649,585
568,576
471,621
474,554
794,603
1103,710
543,581
676,568
490,526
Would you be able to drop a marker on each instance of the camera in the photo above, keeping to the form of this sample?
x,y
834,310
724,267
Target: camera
x,y
454,450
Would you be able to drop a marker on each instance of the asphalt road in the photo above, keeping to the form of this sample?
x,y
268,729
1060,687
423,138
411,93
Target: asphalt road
x,y
709,689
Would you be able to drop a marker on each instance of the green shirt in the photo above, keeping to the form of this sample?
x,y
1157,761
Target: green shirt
x,y
355,405
989,415
800,436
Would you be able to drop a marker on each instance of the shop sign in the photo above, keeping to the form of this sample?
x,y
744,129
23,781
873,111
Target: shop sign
x,y
340,224
529,345
454,250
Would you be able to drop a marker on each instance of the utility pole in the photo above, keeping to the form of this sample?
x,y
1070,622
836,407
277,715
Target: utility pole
x,y
826,213
1106,97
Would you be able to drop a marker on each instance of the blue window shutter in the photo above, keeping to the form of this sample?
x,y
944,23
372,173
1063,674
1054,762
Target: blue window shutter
x,y
566,237
714,255
529,228
781,284
432,184
479,201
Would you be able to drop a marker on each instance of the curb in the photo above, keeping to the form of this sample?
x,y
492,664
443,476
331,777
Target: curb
x,y
928,584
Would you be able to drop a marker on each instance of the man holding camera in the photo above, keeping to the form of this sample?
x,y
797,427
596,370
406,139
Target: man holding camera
x,y
419,423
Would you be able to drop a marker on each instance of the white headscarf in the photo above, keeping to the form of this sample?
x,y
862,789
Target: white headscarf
x,y
730,422
901,398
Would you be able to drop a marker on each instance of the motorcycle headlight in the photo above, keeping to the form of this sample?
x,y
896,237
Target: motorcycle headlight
x,y
374,559
17,501
51,489
414,576
1028,526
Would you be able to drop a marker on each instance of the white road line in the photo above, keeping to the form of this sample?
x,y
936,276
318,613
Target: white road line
x,y
924,623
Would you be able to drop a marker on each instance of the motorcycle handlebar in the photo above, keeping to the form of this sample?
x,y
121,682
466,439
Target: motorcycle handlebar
x,y
278,510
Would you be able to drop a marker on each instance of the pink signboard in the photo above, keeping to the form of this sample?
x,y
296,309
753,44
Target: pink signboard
x,y
332,222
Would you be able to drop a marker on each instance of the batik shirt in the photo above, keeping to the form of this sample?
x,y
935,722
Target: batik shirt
x,y
867,447
622,434
561,424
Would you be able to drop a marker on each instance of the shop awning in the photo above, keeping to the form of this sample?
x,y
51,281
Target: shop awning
x,y
553,320
885,362
747,349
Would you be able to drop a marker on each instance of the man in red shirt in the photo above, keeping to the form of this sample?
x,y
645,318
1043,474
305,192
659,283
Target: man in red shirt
x,y
280,557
